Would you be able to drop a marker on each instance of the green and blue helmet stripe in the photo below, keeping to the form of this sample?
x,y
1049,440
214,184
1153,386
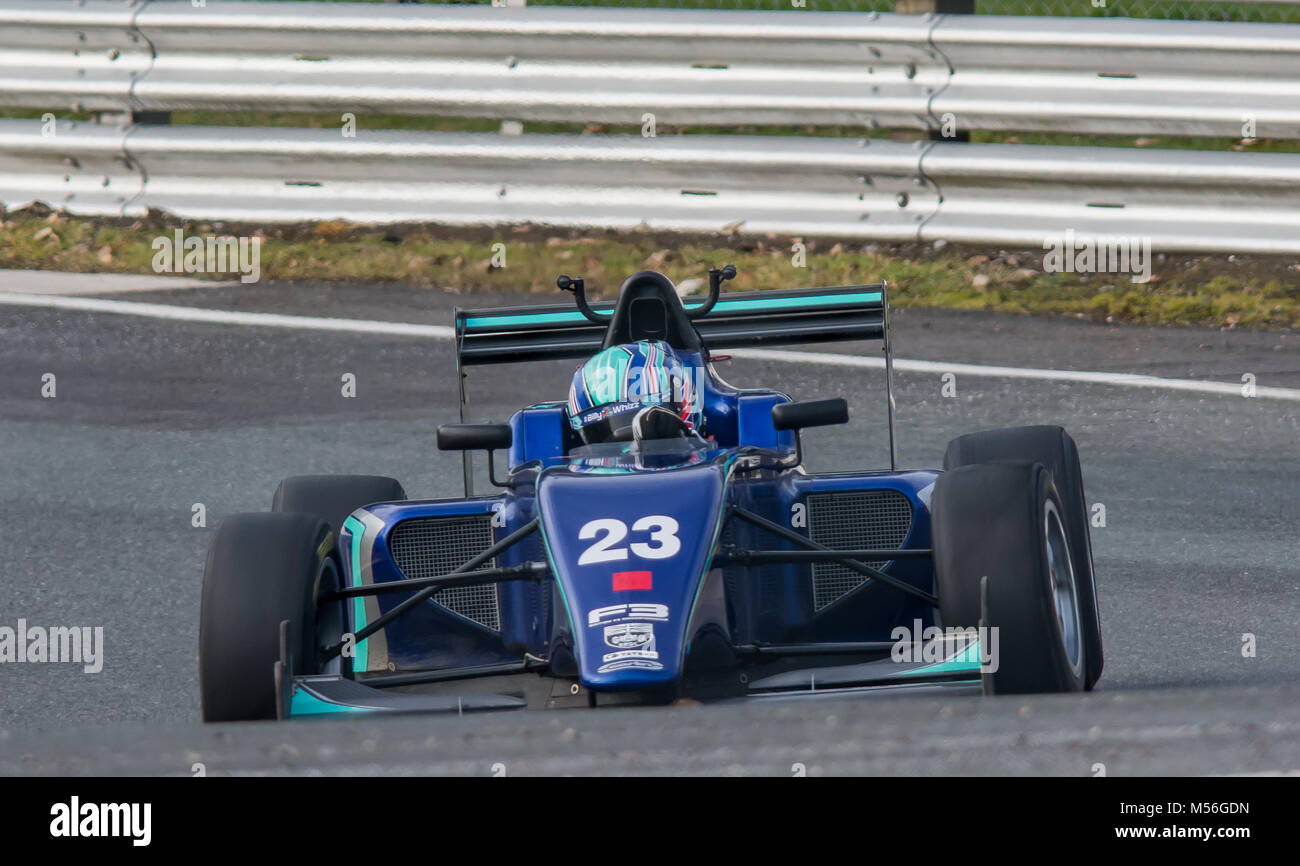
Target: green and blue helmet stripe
x,y
645,373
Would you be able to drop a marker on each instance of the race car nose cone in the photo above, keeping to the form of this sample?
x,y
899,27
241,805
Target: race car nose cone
x,y
629,551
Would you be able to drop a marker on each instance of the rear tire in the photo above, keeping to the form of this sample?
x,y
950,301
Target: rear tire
x,y
1055,449
263,569
1004,521
333,497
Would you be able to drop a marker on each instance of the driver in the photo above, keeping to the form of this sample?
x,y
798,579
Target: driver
x,y
634,391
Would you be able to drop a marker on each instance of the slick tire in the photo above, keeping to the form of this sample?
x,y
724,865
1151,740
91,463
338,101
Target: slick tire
x,y
1005,522
334,497
1055,449
263,569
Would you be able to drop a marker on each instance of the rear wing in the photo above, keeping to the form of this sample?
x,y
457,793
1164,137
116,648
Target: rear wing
x,y
736,320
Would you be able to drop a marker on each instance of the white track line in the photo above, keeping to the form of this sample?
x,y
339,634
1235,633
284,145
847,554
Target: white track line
x,y
1132,380
226,317
65,284
443,332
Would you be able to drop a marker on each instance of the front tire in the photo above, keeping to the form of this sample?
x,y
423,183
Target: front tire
x,y
1055,449
333,497
263,569
1003,522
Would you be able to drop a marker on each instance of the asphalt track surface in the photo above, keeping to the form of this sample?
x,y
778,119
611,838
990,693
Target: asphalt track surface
x,y
1201,544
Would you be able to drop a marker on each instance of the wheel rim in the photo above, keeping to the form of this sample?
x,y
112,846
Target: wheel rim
x,y
1065,593
328,629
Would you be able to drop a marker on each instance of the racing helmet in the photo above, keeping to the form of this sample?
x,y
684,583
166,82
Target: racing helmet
x,y
617,383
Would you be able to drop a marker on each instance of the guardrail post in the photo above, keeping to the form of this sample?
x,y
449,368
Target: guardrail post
x,y
125,118
939,7
935,7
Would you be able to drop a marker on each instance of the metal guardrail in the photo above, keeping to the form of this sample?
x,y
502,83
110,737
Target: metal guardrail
x,y
612,65
1102,75
870,189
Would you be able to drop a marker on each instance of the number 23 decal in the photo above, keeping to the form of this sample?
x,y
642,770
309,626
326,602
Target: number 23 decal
x,y
608,532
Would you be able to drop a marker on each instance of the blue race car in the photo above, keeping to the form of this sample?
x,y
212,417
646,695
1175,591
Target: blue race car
x,y
655,536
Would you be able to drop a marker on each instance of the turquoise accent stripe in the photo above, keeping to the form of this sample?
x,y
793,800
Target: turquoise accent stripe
x,y
728,467
358,529
750,304
555,572
789,303
965,662
306,704
525,319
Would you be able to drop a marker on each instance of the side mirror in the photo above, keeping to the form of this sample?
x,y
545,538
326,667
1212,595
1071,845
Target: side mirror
x,y
813,413
474,437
